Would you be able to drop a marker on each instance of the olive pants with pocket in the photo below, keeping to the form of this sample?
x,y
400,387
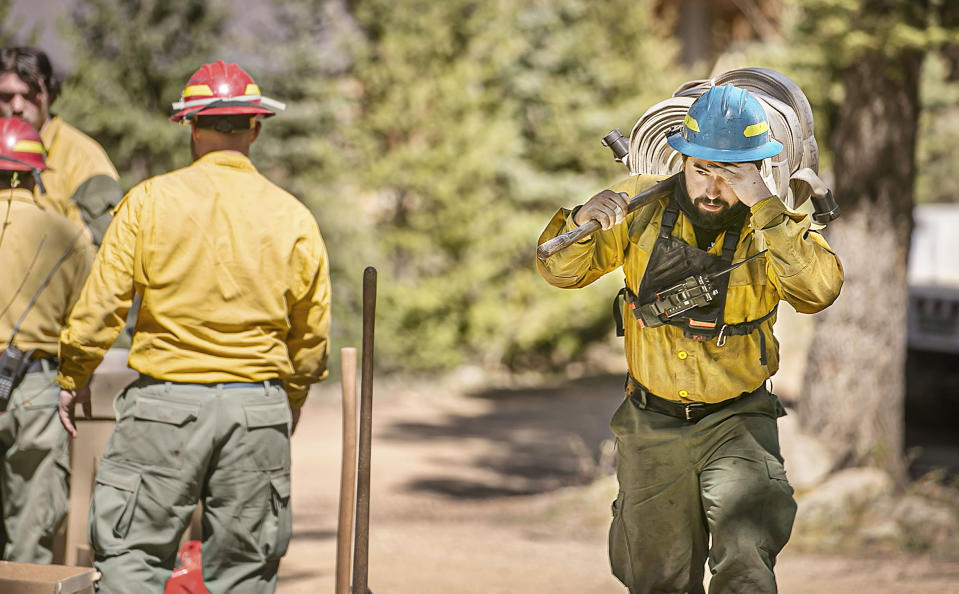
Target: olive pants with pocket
x,y
227,445
35,472
681,483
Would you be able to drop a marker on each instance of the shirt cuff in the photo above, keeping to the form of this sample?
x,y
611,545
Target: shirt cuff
x,y
571,225
767,212
70,382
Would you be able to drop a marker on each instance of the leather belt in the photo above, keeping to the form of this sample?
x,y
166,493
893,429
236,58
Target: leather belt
x,y
274,382
691,412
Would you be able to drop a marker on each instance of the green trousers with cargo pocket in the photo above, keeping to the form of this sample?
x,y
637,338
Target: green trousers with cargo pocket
x,y
227,445
35,475
682,483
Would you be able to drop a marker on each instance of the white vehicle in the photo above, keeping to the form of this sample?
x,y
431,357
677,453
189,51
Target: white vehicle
x,y
933,275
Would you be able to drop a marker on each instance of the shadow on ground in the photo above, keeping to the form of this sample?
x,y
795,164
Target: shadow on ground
x,y
536,439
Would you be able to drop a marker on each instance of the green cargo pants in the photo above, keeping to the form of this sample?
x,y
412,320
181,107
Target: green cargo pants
x,y
680,483
176,444
35,473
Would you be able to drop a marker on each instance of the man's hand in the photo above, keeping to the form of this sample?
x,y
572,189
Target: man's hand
x,y
744,179
68,402
607,207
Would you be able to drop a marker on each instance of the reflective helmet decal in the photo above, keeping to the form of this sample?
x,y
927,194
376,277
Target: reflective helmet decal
x,y
756,129
222,88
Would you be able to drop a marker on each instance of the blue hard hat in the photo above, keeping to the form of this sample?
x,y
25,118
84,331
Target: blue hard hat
x,y
725,124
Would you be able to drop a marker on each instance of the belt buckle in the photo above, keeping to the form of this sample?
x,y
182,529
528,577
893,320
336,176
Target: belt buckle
x,y
689,407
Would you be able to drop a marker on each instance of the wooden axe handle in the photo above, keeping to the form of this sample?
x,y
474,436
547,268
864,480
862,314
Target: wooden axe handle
x,y
564,240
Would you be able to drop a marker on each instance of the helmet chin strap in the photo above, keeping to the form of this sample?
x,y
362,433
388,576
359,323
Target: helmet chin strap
x,y
38,181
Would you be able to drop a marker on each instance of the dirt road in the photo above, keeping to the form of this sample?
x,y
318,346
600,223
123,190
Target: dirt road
x,y
494,492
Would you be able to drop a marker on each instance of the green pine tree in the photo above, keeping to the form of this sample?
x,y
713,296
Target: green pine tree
x,y
131,61
460,127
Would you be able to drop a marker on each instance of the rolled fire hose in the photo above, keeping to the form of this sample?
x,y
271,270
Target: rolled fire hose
x,y
790,122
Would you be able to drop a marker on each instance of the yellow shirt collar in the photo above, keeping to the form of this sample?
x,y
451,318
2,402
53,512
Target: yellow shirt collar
x,y
231,159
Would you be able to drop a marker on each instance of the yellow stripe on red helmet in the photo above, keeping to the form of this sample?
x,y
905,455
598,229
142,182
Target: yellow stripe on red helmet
x,y
29,146
194,90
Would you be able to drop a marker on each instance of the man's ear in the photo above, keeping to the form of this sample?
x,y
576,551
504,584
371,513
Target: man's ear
x,y
194,131
256,131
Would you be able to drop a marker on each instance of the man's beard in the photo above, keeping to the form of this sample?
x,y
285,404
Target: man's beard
x,y
728,217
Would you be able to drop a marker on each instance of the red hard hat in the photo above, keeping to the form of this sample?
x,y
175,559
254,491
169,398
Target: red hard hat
x,y
222,88
20,146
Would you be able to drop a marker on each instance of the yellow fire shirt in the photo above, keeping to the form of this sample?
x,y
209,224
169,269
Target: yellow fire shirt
x,y
31,245
233,275
799,268
81,182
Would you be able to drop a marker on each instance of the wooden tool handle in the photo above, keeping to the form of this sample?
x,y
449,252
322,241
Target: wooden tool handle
x,y
564,240
344,529
362,544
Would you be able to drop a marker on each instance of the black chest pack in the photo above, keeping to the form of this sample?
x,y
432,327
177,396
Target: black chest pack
x,y
686,287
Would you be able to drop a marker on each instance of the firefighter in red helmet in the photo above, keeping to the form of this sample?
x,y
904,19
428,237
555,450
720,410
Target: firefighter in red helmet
x,y
232,331
44,259
80,181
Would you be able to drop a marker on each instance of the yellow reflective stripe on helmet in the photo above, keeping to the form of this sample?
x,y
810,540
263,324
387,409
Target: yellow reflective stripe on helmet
x,y
29,146
252,89
691,123
756,129
192,90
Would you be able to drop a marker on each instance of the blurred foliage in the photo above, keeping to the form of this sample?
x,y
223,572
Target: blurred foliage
x,y
131,60
12,29
938,134
434,140
7,26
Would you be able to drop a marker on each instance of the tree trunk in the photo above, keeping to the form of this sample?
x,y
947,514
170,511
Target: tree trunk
x,y
854,383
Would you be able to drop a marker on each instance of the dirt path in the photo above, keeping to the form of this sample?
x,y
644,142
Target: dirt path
x,y
493,492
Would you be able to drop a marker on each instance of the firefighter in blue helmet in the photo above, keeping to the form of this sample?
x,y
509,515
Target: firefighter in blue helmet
x,y
698,463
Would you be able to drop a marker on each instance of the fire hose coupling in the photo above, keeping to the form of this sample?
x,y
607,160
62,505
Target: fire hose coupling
x,y
617,143
826,208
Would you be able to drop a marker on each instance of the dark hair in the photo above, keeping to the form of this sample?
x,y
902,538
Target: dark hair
x,y
226,123
33,66
6,179
758,163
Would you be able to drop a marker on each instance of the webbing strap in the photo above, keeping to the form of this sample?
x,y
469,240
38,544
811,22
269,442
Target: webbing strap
x,y
618,312
668,220
743,328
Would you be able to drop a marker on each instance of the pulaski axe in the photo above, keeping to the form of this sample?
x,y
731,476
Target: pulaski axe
x,y
563,241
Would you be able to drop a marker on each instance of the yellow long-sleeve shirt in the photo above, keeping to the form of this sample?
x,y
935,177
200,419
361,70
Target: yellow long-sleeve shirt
x,y
799,268
31,245
81,182
233,276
